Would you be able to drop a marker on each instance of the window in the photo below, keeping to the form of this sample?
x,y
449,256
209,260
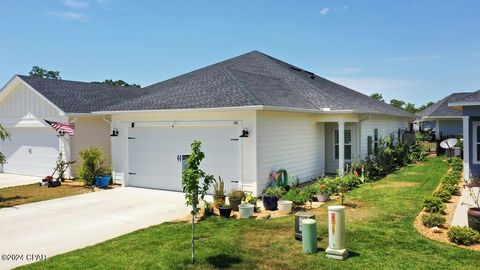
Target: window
x,y
476,142
347,143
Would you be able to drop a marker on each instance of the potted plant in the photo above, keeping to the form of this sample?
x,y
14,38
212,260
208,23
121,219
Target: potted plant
x,y
473,213
245,210
225,210
218,192
270,197
249,198
235,198
322,195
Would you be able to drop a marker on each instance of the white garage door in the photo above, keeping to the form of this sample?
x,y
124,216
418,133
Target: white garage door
x,y
157,154
31,151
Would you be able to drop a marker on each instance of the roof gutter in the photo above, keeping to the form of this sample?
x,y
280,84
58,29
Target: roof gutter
x,y
253,107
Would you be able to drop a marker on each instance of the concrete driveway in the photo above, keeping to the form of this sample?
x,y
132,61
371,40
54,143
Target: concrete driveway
x,y
11,180
61,225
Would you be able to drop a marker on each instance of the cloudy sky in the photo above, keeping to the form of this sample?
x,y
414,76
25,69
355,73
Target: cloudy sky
x,y
417,51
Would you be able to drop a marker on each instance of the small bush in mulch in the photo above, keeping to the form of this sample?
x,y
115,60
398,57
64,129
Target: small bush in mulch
x,y
443,194
463,235
451,179
433,219
433,205
452,189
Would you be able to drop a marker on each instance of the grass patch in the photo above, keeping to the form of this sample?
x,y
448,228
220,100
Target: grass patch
x,y
380,235
12,196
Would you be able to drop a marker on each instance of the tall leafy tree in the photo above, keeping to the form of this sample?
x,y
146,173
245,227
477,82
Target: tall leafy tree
x,y
410,107
43,73
377,96
397,103
195,183
119,83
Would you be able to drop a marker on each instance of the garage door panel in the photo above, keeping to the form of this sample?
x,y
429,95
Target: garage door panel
x,y
155,151
31,151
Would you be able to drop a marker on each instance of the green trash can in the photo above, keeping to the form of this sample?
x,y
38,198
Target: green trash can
x,y
309,235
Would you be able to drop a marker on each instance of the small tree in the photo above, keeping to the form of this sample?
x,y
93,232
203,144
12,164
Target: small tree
x,y
4,134
193,186
43,73
93,165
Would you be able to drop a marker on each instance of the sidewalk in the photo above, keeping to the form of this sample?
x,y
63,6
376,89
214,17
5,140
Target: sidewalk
x,y
465,202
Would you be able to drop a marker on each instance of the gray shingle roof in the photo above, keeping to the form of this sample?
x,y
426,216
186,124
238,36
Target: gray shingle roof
x,y
441,108
472,97
81,97
253,79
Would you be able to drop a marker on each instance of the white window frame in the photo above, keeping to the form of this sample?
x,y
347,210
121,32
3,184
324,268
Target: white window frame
x,y
351,144
474,141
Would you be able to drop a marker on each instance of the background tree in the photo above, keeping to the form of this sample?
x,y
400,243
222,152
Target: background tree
x,y
119,83
377,96
397,103
423,107
410,107
193,186
43,73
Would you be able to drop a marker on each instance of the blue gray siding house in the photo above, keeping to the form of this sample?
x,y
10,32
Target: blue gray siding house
x,y
469,106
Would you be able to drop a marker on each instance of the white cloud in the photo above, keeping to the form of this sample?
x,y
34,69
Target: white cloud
x,y
414,58
77,4
71,16
324,11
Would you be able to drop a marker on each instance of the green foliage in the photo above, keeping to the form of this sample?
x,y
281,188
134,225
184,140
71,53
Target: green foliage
x,y
452,189
94,164
274,191
119,83
463,235
443,194
433,219
4,135
433,205
397,103
377,97
298,196
219,187
236,194
195,182
451,178
43,73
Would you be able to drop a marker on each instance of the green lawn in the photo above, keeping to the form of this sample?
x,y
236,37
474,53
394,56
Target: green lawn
x,y
380,235
17,195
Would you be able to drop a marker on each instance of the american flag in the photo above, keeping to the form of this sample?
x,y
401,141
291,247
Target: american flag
x,y
62,127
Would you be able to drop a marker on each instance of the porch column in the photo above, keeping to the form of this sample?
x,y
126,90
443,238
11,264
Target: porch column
x,y
466,148
341,147
437,130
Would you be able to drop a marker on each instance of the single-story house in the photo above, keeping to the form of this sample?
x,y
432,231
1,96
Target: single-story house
x,y
253,114
445,120
469,106
34,146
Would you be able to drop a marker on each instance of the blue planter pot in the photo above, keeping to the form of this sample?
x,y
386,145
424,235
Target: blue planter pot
x,y
102,181
270,202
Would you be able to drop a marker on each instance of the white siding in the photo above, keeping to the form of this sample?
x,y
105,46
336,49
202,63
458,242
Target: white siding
x,y
385,125
290,141
89,131
245,119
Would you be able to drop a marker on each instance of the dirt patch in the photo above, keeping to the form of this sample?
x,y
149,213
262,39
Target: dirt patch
x,y
395,185
442,235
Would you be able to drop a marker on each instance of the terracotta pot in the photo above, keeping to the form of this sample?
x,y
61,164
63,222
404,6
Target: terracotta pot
x,y
473,215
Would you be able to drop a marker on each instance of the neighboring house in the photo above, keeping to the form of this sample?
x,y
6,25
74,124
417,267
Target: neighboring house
x,y
34,146
253,114
445,120
469,107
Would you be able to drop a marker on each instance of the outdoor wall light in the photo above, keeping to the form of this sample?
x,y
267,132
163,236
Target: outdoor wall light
x,y
114,133
244,133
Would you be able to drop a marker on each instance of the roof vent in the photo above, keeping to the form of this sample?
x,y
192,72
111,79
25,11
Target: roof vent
x,y
312,77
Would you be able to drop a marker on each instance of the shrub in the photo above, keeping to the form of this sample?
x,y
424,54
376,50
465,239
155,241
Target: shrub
x,y
274,191
443,194
451,179
298,196
432,220
452,189
93,164
463,235
433,205
349,181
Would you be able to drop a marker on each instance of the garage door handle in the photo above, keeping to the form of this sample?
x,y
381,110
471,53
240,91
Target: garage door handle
x,y
132,173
